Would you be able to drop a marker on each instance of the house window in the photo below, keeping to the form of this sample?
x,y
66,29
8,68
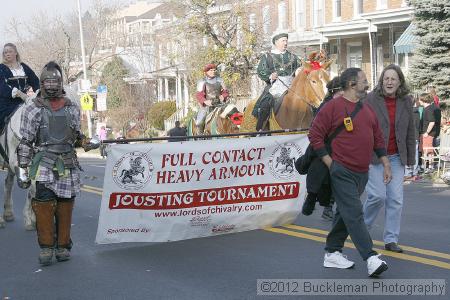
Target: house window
x,y
317,13
160,56
282,20
358,7
239,33
354,55
337,10
382,4
266,19
252,22
300,18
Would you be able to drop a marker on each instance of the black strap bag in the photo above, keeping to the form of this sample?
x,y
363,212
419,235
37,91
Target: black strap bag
x,y
303,162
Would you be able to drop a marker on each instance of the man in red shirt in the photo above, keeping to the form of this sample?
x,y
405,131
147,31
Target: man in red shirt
x,y
349,163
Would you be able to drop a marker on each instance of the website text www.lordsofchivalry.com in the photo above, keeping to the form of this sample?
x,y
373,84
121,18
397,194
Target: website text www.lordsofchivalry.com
x,y
210,210
258,193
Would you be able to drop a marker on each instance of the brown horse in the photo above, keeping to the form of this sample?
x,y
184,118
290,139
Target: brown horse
x,y
305,93
222,120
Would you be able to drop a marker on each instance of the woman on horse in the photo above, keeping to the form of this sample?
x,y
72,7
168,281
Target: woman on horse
x,y
17,81
211,91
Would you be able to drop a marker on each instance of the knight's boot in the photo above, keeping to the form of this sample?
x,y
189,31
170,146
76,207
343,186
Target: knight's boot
x,y
263,118
45,226
200,129
64,222
259,124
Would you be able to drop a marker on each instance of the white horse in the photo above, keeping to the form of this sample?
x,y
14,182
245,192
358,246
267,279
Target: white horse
x,y
10,140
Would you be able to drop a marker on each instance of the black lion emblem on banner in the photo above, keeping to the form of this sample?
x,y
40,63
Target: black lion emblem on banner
x,y
133,170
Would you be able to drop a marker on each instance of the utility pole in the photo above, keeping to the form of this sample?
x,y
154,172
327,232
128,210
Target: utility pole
x,y
85,83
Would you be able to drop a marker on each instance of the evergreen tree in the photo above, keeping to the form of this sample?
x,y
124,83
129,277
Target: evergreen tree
x,y
431,60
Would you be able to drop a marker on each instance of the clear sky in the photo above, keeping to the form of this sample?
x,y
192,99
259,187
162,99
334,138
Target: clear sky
x,y
24,9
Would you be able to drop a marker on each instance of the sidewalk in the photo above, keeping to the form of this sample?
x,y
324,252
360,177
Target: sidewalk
x,y
91,154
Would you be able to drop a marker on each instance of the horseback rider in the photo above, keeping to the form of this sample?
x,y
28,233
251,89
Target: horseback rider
x,y
277,65
17,82
211,92
50,128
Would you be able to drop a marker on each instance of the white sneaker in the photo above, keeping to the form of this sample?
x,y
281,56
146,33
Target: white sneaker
x,y
376,266
337,260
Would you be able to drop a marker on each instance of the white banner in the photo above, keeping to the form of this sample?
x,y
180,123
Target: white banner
x,y
173,191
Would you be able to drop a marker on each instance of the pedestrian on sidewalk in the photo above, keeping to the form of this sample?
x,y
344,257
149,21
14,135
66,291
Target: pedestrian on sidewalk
x,y
429,131
349,162
177,131
393,106
102,133
412,172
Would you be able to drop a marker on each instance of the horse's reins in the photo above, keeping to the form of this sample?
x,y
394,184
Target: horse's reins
x,y
300,97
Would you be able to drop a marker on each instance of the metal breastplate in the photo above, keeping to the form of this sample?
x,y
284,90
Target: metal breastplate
x,y
213,91
55,132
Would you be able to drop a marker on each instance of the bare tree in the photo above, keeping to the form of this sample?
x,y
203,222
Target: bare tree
x,y
224,35
55,37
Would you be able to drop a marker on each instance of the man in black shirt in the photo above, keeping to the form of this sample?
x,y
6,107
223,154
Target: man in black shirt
x,y
176,131
429,128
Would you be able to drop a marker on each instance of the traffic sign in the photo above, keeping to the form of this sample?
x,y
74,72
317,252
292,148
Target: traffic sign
x,y
87,102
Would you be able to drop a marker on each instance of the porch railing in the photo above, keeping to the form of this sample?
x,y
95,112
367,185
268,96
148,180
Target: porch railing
x,y
169,123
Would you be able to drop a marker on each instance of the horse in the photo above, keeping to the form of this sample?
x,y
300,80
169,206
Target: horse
x,y
136,168
286,160
9,140
223,119
296,111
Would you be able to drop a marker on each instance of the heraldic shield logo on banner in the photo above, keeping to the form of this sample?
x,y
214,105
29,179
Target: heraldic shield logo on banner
x,y
282,160
133,170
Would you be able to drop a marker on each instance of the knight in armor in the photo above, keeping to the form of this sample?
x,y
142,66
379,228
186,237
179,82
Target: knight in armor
x,y
211,92
16,81
50,129
277,65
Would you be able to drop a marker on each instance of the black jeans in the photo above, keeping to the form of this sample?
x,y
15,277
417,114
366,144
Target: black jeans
x,y
347,187
44,194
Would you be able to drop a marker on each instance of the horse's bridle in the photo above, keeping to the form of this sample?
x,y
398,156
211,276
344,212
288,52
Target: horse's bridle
x,y
300,97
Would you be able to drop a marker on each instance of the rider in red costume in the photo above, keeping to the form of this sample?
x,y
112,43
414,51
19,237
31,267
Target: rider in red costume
x,y
211,92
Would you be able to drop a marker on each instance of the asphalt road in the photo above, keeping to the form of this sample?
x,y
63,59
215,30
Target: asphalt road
x,y
220,267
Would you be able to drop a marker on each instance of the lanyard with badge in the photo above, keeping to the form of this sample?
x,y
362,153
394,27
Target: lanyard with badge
x,y
348,123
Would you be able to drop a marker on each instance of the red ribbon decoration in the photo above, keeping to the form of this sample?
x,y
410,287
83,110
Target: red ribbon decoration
x,y
315,65
237,118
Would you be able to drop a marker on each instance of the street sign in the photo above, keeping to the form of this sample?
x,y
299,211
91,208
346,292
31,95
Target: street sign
x,y
102,91
87,102
84,85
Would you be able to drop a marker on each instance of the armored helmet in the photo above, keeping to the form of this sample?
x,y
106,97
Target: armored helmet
x,y
51,81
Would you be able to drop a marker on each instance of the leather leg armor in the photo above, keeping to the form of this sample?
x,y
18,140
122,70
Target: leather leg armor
x,y
64,222
45,222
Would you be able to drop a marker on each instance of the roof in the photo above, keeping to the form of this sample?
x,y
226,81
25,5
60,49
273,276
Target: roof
x,y
137,9
407,41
